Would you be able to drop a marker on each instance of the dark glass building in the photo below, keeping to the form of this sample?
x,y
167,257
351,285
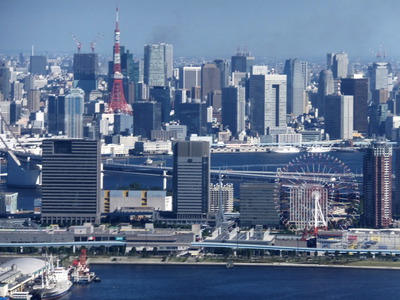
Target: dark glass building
x,y
56,114
85,71
146,117
38,65
194,116
358,88
70,181
191,179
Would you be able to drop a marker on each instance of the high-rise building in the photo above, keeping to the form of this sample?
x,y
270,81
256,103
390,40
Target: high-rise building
x,y
340,66
325,87
296,72
233,108
74,113
242,62
162,94
15,111
33,100
225,192
146,117
191,179
56,114
5,81
339,117
267,94
189,77
379,76
396,200
194,116
38,65
85,71
377,182
257,205
224,68
358,88
70,181
17,90
210,80
158,64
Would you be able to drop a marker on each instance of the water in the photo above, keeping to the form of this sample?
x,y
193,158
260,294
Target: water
x,y
240,282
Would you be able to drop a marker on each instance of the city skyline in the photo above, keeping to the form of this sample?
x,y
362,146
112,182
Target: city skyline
x,y
214,29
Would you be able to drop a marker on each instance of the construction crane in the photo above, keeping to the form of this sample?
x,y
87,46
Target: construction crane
x,y
93,44
78,43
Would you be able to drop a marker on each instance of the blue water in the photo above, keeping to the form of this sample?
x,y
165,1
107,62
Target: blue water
x,y
217,282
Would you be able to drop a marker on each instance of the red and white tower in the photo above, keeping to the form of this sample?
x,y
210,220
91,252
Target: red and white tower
x,y
117,103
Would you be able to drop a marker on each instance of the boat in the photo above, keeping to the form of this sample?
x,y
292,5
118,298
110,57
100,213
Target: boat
x,y
148,161
80,272
318,149
53,284
20,296
285,149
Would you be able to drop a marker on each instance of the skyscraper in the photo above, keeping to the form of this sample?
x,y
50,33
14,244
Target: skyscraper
x,y
325,87
5,81
377,182
191,179
233,108
296,72
267,94
194,116
358,88
74,113
158,64
379,76
190,77
210,80
85,71
146,117
340,66
242,62
38,65
33,100
339,116
56,114
70,181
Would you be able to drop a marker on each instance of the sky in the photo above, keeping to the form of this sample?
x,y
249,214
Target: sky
x,y
210,28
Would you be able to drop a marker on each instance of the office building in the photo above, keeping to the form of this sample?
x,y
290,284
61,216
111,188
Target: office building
x,y
379,76
257,205
158,64
339,117
5,81
189,77
225,192
146,117
210,80
123,124
85,71
15,111
162,95
194,116
17,90
242,62
56,114
70,181
267,94
377,183
358,88
33,100
38,65
325,87
224,68
296,73
340,65
233,108
396,202
191,179
74,113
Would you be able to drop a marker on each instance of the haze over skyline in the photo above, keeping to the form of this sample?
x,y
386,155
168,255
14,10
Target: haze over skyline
x,y
288,28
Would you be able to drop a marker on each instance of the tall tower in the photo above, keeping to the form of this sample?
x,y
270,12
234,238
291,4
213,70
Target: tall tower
x,y
117,99
378,185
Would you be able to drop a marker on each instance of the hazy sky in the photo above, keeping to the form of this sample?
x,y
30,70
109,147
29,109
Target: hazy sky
x,y
211,28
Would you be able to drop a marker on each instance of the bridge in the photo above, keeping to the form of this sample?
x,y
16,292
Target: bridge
x,y
291,249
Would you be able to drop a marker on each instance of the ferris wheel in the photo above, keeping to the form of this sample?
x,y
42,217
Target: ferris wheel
x,y
316,190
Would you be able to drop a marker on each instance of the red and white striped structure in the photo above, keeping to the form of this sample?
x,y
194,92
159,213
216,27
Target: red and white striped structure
x,y
117,103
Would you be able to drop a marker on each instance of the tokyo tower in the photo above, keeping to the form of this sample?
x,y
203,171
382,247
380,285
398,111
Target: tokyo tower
x,y
117,103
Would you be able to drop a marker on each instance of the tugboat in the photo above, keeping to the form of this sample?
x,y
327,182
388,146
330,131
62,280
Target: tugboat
x,y
80,272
